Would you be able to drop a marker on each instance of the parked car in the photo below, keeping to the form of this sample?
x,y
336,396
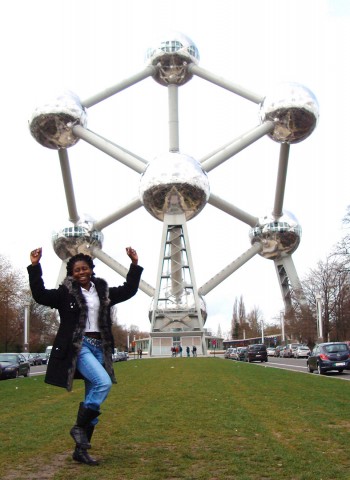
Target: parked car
x,y
13,365
270,351
29,357
43,357
256,353
37,359
230,353
119,356
278,350
329,356
283,352
122,356
302,351
288,351
241,353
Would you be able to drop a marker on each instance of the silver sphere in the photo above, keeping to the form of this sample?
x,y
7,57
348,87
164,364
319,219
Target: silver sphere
x,y
279,238
172,55
180,304
174,183
76,239
295,111
51,124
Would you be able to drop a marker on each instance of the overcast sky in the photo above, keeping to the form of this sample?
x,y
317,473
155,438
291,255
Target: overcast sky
x,y
87,45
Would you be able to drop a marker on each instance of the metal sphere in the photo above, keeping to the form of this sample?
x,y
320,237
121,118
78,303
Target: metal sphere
x,y
279,238
172,55
185,302
295,111
76,239
174,183
51,124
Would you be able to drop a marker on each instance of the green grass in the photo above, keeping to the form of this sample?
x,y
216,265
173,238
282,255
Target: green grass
x,y
197,418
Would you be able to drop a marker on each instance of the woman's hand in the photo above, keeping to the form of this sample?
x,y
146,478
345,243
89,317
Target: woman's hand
x,y
132,254
35,256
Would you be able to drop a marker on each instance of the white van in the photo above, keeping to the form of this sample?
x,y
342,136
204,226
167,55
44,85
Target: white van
x,y
48,352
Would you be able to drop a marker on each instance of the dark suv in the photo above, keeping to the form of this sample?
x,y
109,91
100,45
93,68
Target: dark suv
x,y
329,356
256,353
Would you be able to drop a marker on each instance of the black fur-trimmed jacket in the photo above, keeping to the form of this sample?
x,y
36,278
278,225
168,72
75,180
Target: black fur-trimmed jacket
x,y
70,302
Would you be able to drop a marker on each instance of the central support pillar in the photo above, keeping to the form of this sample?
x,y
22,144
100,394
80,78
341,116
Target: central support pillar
x,y
178,313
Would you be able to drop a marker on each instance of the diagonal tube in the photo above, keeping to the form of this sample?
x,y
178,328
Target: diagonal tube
x,y
108,92
118,214
232,210
227,84
117,267
110,149
232,267
237,145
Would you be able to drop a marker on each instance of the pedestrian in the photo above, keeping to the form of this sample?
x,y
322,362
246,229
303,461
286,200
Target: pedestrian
x,y
84,342
140,352
180,350
188,351
194,351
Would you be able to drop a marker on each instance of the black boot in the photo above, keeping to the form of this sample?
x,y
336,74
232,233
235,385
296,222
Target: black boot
x,y
81,455
89,431
78,432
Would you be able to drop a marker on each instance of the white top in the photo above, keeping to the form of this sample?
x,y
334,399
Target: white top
x,y
93,304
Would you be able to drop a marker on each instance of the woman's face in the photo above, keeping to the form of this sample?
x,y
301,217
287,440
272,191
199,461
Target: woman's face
x,y
82,273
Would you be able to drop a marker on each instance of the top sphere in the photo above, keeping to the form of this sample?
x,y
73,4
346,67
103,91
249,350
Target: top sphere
x,y
172,55
51,124
294,110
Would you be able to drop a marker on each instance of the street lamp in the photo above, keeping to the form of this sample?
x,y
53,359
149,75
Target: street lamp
x,y
319,317
282,325
26,327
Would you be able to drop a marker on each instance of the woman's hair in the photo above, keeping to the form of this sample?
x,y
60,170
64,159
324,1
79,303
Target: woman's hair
x,y
80,257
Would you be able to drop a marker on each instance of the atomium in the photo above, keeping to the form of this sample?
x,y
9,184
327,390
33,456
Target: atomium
x,y
174,187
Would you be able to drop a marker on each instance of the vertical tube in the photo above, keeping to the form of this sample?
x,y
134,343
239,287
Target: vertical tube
x,y
68,185
281,180
173,118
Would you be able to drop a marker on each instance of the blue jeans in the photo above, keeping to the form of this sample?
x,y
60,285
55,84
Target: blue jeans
x,y
97,380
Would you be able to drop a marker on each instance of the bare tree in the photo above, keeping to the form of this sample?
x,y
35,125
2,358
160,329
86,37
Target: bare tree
x,y
330,280
12,300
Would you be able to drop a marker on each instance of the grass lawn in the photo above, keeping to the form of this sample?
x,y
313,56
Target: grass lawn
x,y
183,418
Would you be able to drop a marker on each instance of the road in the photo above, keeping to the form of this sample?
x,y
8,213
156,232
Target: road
x,y
293,364
299,365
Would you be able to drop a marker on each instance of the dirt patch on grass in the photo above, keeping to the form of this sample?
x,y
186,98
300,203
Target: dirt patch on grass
x,y
38,469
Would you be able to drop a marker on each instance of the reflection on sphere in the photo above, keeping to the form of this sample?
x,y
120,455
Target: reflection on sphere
x,y
172,184
179,304
278,238
172,55
76,239
294,109
51,124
